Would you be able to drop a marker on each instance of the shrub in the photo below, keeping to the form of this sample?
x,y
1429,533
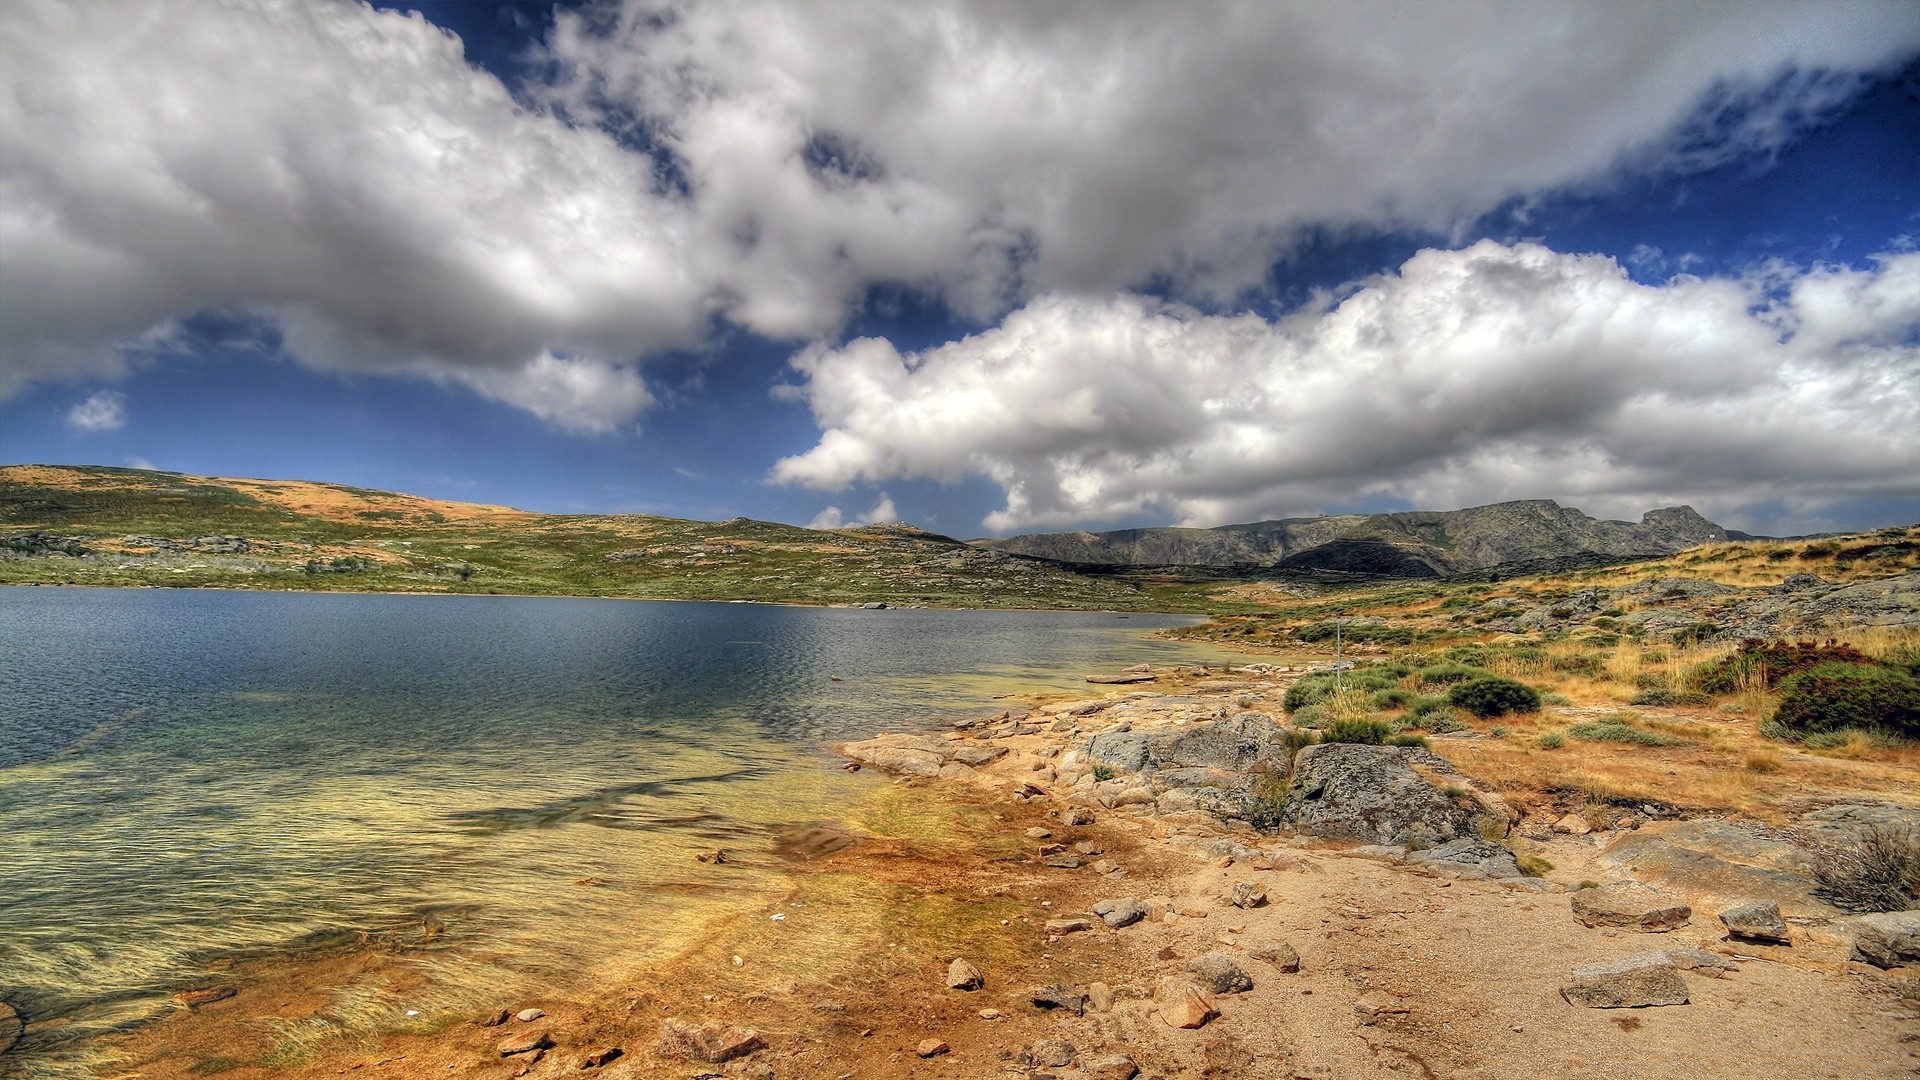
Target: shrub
x,y
1313,716
1392,698
1357,729
1408,740
1552,740
1102,771
1835,696
1310,690
1427,706
1771,661
1475,655
1579,664
1663,695
1533,865
1616,731
1875,869
1448,674
1490,696
1441,722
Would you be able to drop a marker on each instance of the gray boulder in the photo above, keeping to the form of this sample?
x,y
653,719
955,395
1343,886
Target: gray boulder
x,y
1632,983
1236,744
1119,913
1630,906
1388,795
1756,921
1217,973
1470,855
1889,939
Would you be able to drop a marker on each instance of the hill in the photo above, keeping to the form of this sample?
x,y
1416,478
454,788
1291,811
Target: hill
x,y
1535,535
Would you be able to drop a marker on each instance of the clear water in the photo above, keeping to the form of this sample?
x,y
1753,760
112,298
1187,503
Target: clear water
x,y
188,773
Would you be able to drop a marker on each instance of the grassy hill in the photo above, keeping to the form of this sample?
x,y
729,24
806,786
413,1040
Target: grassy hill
x,y
106,526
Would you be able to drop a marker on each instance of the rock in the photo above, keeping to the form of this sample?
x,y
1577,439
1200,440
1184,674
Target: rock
x,y
1470,855
932,1048
1184,1006
1573,824
1711,964
1037,833
1114,1067
1064,862
1277,953
1076,815
528,1016
1121,680
1216,972
712,1042
1632,983
205,995
525,1042
1886,940
964,976
1375,1006
979,757
1756,921
1100,997
1246,894
601,1057
1052,1053
496,1018
1119,913
12,1026
1717,862
1387,795
1058,996
991,1014
1631,906
1068,926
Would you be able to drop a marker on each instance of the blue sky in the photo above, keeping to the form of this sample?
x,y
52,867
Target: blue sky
x,y
1005,270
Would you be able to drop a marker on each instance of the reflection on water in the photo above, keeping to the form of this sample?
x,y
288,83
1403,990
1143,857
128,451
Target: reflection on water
x,y
187,773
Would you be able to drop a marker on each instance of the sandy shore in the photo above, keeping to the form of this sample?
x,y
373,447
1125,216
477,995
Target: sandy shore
x,y
1358,963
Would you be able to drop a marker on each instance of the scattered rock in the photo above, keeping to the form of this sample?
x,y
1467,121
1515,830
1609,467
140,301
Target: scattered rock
x,y
710,1042
1064,862
205,995
1631,906
991,1014
1888,939
496,1018
716,857
1058,996
1100,997
1279,954
1246,894
1119,913
528,1016
1573,824
979,757
526,1042
601,1057
1388,795
964,976
1216,972
1114,1067
1068,926
1756,921
1184,1006
1472,856
1037,833
932,1048
1632,983
1052,1053
1076,815
1710,964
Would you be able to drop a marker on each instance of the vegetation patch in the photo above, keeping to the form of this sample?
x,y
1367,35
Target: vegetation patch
x,y
1832,697
1768,663
1619,728
1877,868
1491,695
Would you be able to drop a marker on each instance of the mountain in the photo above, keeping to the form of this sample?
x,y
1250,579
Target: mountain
x,y
1536,534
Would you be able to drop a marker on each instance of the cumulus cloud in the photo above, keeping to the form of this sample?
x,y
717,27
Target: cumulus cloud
x,y
883,513
342,172
103,410
1467,376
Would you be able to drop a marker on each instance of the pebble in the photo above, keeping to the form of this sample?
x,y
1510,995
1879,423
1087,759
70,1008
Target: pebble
x,y
932,1048
528,1016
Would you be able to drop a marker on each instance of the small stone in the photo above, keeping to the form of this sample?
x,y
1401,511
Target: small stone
x,y
991,1014
709,1042
1216,972
1632,983
601,1057
528,1016
1630,906
1247,895
1058,996
1052,1053
1064,862
1184,1006
1068,926
525,1042
1037,833
932,1048
1105,866
1088,847
1278,953
1122,912
964,976
1375,1007
1100,997
717,857
496,1018
1757,921
206,995
1574,825
1115,1067
1076,815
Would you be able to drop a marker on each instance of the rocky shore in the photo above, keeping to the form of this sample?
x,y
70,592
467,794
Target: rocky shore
x,y
1168,881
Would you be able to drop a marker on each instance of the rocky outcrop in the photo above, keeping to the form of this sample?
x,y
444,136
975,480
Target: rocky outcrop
x,y
712,1042
1388,795
1888,939
1631,983
1719,863
1630,905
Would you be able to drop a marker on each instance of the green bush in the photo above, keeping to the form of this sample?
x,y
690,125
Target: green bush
x,y
1475,655
1664,695
1441,722
1831,697
1309,690
1771,661
1408,740
1426,706
1579,664
1102,771
1357,729
1552,740
1392,698
1491,695
1450,673
1313,716
1615,731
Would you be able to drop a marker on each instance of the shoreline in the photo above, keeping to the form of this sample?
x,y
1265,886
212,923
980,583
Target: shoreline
x,y
1393,958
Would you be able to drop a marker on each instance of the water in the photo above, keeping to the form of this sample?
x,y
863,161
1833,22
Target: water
x,y
190,773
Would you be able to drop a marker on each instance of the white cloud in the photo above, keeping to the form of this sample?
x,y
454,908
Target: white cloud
x,y
138,462
342,171
103,410
883,513
585,397
1468,376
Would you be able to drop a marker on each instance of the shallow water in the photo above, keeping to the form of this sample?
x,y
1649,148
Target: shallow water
x,y
188,773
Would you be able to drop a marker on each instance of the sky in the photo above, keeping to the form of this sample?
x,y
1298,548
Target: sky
x,y
984,267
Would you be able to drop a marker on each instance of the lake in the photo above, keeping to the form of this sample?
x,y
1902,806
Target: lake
x,y
186,774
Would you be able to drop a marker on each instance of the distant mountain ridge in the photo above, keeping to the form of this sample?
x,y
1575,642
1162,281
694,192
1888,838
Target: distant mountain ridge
x,y
1537,533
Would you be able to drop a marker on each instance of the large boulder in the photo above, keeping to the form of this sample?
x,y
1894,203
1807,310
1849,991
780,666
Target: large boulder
x,y
1237,744
1888,939
1388,795
1630,906
1632,983
1718,864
